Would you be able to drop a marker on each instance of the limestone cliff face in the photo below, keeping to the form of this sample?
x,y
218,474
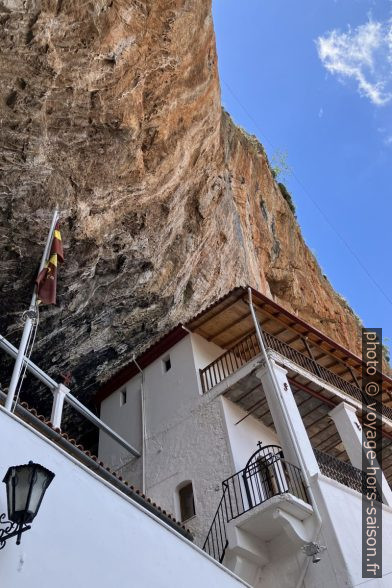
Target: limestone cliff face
x,y
112,108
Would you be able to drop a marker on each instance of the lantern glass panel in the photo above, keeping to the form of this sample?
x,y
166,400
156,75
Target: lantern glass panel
x,y
22,479
40,483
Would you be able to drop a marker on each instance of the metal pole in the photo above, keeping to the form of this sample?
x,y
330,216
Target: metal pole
x,y
31,367
144,428
77,405
292,434
31,314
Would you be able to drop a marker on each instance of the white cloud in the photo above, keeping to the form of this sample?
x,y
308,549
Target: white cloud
x,y
386,134
321,112
363,54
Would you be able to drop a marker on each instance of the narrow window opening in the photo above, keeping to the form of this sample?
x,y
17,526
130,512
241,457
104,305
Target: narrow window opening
x,y
187,502
123,397
166,363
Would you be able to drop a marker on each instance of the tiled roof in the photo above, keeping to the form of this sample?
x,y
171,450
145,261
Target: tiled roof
x,y
157,347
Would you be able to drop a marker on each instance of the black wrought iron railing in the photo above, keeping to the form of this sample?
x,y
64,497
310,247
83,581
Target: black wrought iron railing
x,y
266,474
342,472
216,542
248,348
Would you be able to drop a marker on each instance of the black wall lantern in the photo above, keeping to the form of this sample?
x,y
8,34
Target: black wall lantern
x,y
26,486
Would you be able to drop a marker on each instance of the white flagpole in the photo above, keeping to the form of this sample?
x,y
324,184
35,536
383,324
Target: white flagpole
x,y
31,315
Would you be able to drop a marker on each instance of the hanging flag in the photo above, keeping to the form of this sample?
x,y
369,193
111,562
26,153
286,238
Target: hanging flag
x,y
57,244
47,278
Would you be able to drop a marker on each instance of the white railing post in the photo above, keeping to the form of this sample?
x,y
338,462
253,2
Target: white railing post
x,y
59,395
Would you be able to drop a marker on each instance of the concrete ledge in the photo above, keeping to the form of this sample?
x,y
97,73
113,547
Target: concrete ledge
x,y
263,522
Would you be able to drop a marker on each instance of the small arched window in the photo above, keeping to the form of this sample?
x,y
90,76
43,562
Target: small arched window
x,y
187,501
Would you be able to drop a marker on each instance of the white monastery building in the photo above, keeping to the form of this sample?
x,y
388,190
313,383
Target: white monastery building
x,y
245,426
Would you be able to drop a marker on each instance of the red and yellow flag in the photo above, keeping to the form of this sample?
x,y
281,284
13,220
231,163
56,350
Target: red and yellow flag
x,y
47,278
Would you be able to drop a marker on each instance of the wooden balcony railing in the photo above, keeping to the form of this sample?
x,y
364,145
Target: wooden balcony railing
x,y
325,374
312,366
228,363
248,348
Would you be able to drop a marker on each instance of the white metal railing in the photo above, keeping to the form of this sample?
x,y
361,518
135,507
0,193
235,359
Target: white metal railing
x,y
62,394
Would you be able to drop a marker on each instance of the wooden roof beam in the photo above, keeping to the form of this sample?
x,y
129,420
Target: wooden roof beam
x,y
304,401
277,333
314,393
228,327
314,408
388,467
329,447
250,410
290,341
264,413
322,431
234,341
324,416
341,452
245,394
211,316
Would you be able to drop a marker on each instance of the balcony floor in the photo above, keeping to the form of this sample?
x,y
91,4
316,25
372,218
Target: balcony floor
x,y
262,522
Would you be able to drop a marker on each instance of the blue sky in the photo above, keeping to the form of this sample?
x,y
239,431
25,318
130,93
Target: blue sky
x,y
314,79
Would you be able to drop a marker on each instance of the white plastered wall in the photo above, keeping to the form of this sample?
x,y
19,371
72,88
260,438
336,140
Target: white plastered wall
x,y
341,511
204,352
244,434
185,434
170,395
89,534
125,419
167,395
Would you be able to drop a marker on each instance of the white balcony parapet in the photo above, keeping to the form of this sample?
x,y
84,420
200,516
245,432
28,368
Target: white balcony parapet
x,y
245,355
350,431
